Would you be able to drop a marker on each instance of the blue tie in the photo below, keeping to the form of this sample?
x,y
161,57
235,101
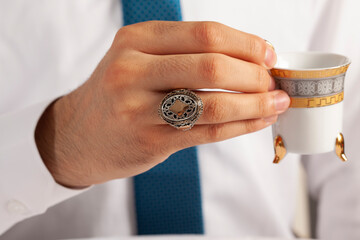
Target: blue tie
x,y
167,197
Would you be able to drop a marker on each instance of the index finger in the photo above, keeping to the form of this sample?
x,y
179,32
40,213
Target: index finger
x,y
169,37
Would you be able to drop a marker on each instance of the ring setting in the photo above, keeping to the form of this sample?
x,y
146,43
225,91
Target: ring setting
x,y
181,109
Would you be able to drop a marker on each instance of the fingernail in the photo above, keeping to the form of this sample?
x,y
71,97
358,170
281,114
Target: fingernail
x,y
282,102
271,119
272,84
270,55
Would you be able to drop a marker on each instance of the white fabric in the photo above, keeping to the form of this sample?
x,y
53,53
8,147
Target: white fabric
x,y
48,48
184,237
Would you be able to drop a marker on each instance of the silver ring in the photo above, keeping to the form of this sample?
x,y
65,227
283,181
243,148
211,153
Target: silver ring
x,y
181,109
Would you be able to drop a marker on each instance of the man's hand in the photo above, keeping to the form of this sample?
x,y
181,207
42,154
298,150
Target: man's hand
x,y
109,127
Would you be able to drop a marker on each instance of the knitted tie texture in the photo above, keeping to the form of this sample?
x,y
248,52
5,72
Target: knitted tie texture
x,y
167,197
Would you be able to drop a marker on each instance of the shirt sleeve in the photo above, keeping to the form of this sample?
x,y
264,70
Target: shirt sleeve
x,y
335,187
26,186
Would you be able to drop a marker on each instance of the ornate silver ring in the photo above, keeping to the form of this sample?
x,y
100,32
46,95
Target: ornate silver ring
x,y
181,109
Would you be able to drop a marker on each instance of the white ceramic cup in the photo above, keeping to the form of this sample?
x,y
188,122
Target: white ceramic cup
x,y
315,84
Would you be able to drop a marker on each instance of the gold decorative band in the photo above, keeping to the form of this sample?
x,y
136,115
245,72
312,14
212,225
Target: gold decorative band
x,y
298,74
316,101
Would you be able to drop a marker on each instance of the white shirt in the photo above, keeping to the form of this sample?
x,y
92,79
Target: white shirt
x,y
48,48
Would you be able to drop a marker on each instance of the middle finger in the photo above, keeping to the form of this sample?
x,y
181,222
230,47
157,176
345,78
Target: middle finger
x,y
207,70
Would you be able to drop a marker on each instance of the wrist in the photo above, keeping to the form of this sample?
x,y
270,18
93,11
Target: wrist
x,y
51,143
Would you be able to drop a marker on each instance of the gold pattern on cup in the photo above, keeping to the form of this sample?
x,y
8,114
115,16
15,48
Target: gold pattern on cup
x,y
296,102
279,148
306,74
339,147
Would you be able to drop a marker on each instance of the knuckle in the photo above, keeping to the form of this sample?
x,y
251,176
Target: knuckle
x,y
119,75
256,47
214,111
210,67
124,36
123,31
262,79
215,132
129,111
252,126
263,105
208,34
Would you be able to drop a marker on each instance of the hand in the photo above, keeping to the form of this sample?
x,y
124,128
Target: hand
x,y
109,127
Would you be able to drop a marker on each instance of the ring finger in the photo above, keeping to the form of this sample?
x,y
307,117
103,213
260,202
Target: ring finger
x,y
222,107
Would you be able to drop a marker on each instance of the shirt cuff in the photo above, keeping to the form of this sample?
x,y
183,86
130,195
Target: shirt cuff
x,y
27,188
